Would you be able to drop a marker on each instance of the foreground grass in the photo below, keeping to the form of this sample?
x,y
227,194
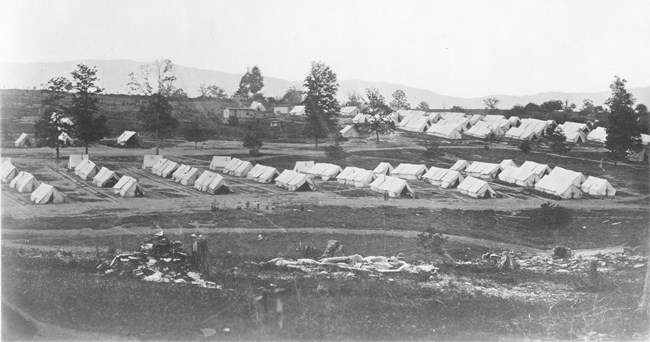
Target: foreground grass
x,y
73,295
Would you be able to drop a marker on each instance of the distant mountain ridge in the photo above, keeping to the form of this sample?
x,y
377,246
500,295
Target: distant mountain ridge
x,y
113,76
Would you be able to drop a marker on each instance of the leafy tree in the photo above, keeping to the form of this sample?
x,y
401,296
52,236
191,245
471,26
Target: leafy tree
x,y
557,142
156,83
251,83
399,100
622,131
252,142
491,138
568,107
551,106
212,91
196,133
525,146
178,94
356,100
457,109
491,104
50,125
641,109
321,106
292,97
516,110
380,122
423,106
336,152
532,108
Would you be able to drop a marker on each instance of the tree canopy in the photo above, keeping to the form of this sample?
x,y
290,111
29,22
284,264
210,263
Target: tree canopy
x,y
50,124
423,106
400,101
212,91
321,106
622,132
251,83
380,122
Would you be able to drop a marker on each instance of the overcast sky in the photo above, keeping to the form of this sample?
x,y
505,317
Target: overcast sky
x,y
460,48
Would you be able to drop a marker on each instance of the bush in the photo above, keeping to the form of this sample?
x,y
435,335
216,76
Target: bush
x,y
432,151
561,252
253,142
525,146
432,240
335,152
550,215
233,121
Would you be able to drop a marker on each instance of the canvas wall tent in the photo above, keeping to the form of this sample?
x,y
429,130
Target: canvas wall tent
x,y
460,165
574,131
598,135
476,188
232,165
263,174
169,169
443,178
445,131
419,124
5,160
303,166
325,171
65,139
212,182
149,160
482,129
297,110
159,166
528,129
383,169
561,183
76,159
349,111
598,187
363,178
87,171
514,121
219,162
294,181
24,182
643,154
347,175
204,180
242,169
257,106
360,118
475,118
349,132
23,141
518,176
507,162
409,171
176,175
454,116
539,169
128,187
393,186
105,178
9,172
129,139
46,193
483,170
189,176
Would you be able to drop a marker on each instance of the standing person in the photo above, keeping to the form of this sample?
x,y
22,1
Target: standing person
x,y
248,204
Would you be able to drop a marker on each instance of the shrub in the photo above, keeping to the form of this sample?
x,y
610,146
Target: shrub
x,y
253,142
233,121
561,252
432,151
335,152
525,146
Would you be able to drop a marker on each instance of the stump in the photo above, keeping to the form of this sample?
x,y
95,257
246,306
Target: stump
x,y
269,308
333,249
200,253
507,261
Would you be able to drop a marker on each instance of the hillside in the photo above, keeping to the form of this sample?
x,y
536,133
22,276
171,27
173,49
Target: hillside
x,y
114,77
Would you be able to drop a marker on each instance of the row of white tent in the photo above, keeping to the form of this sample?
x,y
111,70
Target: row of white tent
x,y
122,185
23,181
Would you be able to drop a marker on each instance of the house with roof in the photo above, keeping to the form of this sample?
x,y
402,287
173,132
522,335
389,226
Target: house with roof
x,y
241,113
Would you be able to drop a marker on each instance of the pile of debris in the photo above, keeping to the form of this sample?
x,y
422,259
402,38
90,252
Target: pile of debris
x,y
378,264
159,260
606,262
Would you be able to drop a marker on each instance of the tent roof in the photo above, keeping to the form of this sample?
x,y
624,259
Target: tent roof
x,y
460,165
475,186
348,110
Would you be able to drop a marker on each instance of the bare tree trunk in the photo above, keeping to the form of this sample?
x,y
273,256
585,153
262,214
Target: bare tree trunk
x,y
643,303
86,147
377,134
316,142
57,154
157,142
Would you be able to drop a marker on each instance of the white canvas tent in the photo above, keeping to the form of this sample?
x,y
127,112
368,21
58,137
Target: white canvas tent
x,y
349,111
212,182
409,171
23,141
24,182
159,166
232,165
528,129
443,178
294,181
574,131
128,187
598,135
325,171
5,160
76,159
169,169
360,118
483,170
393,186
257,106
263,174
363,178
507,162
86,170
383,169
149,160
460,165
303,166
219,162
9,172
188,176
476,188
539,169
519,176
176,175
129,139
642,155
242,169
561,183
347,175
349,132
297,110
46,193
416,124
598,187
446,130
105,177
482,129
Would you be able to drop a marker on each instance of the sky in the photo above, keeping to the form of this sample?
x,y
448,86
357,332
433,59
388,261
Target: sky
x,y
457,48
